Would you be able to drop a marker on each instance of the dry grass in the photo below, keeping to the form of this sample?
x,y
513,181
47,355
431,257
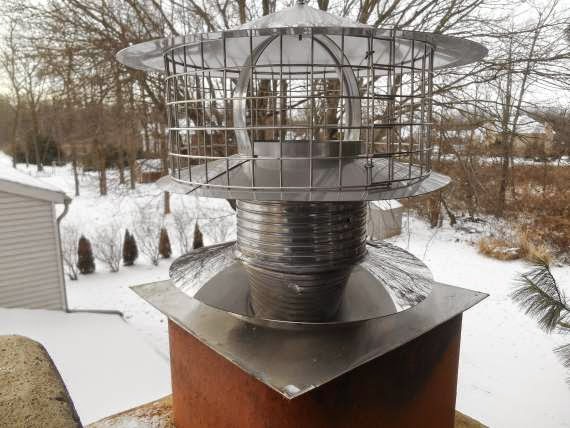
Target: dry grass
x,y
156,414
499,249
464,421
533,251
538,205
521,246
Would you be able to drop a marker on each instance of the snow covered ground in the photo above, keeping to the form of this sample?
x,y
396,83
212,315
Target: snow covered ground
x,y
106,366
509,375
517,160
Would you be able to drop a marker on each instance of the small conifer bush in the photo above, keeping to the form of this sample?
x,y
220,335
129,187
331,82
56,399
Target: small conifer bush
x,y
198,238
85,259
130,249
164,244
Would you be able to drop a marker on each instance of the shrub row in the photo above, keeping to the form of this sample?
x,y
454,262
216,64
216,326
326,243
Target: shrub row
x,y
79,254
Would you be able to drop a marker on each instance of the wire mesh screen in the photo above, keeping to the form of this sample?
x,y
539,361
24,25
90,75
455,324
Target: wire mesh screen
x,y
298,109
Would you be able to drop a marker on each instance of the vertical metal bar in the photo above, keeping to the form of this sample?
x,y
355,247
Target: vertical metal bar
x,y
411,99
272,104
324,96
187,113
203,94
370,96
175,108
225,98
368,109
282,106
197,111
422,111
168,112
343,102
311,120
253,92
390,105
401,107
256,93
430,106
211,100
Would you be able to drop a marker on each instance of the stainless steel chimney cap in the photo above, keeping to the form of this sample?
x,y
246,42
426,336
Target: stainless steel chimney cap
x,y
148,56
301,116
301,105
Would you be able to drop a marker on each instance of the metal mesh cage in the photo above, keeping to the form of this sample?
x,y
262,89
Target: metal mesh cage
x,y
298,107
300,110
301,105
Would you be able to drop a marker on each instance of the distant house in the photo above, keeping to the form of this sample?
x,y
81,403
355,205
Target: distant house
x,y
31,270
457,132
459,129
530,135
384,219
148,170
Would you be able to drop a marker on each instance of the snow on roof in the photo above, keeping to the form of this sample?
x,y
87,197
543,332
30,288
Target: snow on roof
x,y
149,164
12,180
387,205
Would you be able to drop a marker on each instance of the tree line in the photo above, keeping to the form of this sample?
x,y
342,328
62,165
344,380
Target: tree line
x,y
69,100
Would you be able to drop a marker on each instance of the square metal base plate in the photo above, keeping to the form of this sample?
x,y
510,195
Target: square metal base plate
x,y
293,362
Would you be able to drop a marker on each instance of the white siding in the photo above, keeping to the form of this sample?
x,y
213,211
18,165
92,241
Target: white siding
x,y
384,219
30,270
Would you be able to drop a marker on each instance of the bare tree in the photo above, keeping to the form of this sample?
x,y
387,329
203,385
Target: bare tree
x,y
107,245
69,239
34,88
69,88
525,57
9,62
183,229
218,228
147,226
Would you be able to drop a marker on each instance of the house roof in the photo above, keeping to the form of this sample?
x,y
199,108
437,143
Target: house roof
x,y
20,183
387,205
149,165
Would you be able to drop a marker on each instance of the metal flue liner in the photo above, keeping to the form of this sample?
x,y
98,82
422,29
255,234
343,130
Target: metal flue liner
x,y
299,255
302,116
